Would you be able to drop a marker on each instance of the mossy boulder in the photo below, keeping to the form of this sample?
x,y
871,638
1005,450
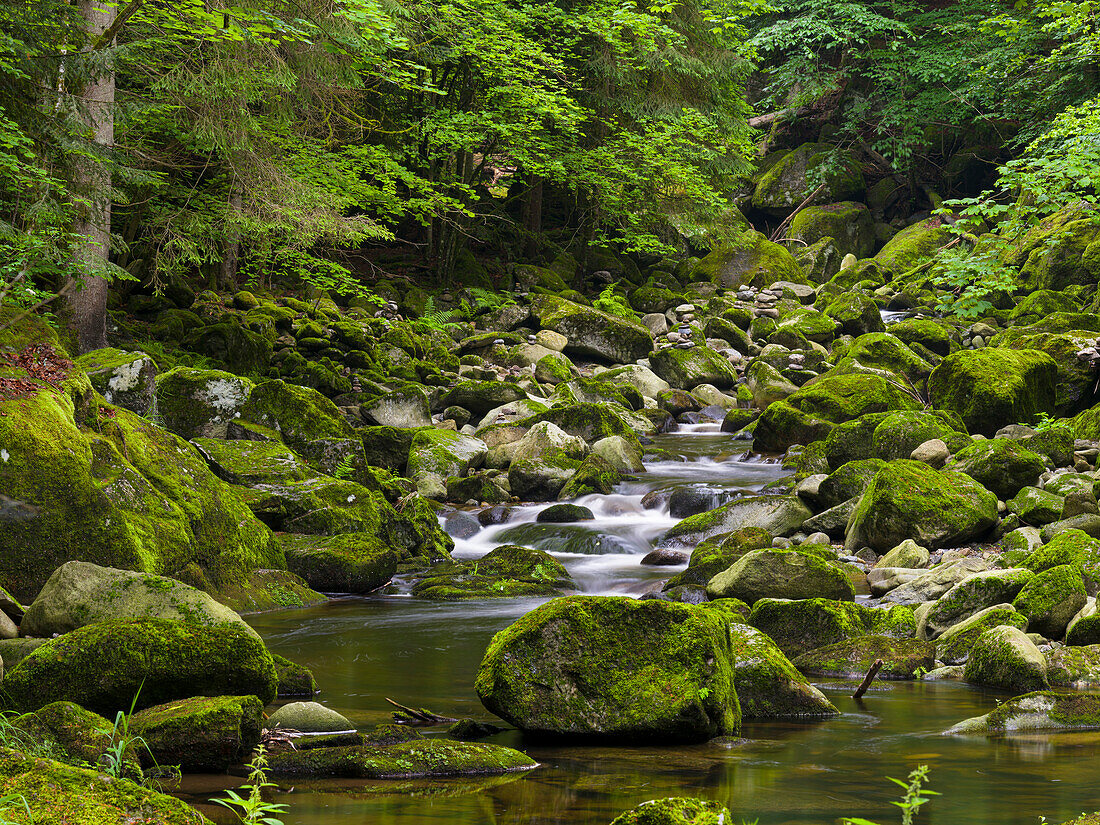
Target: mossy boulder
x,y
1006,659
676,810
504,572
848,223
593,333
1074,380
908,499
829,174
882,353
294,679
610,667
104,666
750,259
900,433
973,594
1074,666
1052,599
847,481
914,246
990,388
768,685
69,733
127,379
778,515
307,421
799,626
954,646
1000,465
811,413
1042,710
123,493
80,593
444,453
781,574
1036,507
686,369
415,759
243,351
358,562
591,422
251,463
309,717
852,658
1062,251
932,335
201,733
60,794
855,314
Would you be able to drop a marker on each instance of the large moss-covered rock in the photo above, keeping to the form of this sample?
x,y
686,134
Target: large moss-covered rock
x,y
67,732
852,658
1036,507
242,350
799,626
933,583
1052,599
1042,710
444,453
357,562
688,368
415,759
882,353
972,595
930,334
1059,252
251,463
593,422
195,403
309,717
848,223
307,421
613,667
507,571
104,666
80,593
999,465
676,810
913,246
899,434
990,388
818,169
481,396
1006,659
908,499
123,493
954,646
60,794
201,733
750,259
781,574
127,379
1075,379
778,515
847,481
593,333
855,314
812,412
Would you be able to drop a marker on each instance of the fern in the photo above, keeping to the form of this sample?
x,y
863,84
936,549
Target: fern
x,y
437,318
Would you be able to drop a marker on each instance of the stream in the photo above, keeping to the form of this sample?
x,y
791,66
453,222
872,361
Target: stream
x,y
420,653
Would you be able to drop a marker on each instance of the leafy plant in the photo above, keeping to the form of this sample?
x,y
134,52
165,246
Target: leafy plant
x,y
614,304
915,796
437,319
1045,422
253,808
345,469
15,803
117,760
970,278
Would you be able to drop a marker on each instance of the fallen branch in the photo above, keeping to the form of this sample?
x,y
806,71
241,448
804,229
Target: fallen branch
x,y
417,717
870,677
772,117
778,233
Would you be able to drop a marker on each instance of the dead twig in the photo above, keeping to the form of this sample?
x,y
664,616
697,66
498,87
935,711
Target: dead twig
x,y
417,717
870,677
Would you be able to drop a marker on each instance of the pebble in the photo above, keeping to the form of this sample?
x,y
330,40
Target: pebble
x,y
674,337
686,344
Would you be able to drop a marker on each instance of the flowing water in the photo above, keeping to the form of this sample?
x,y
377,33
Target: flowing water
x,y
364,650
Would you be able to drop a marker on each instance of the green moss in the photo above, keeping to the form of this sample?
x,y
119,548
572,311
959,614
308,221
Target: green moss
x,y
66,732
420,758
201,733
348,563
591,422
688,368
62,794
908,499
954,646
1037,507
591,332
294,679
677,810
1051,599
797,174
914,246
990,388
506,571
812,412
934,335
1000,465
975,593
799,626
1005,659
784,574
855,314
768,685
1042,710
849,224
103,666
880,351
852,658
901,433
650,670
749,260
299,414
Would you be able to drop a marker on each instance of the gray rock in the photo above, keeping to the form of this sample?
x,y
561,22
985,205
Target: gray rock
x,y
309,717
933,452
935,582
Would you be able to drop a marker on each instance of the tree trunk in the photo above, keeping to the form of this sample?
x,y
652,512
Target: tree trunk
x,y
232,253
92,180
532,218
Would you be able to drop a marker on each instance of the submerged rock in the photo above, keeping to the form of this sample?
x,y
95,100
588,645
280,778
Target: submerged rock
x,y
676,810
609,667
852,658
416,759
799,626
1043,710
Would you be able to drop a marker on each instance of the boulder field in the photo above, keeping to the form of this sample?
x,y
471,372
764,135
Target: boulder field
x,y
243,452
